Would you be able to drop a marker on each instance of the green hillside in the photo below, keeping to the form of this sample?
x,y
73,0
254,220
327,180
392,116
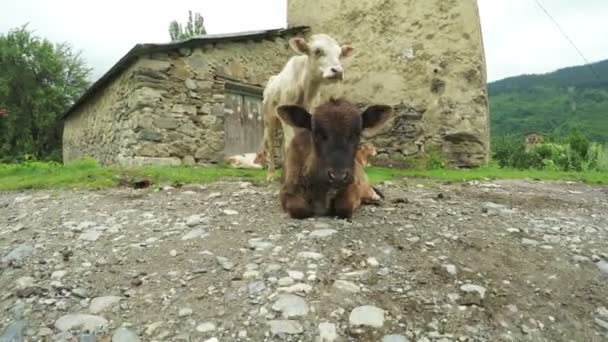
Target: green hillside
x,y
552,103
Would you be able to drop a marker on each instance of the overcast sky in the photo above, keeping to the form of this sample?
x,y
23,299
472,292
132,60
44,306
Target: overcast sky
x,y
519,38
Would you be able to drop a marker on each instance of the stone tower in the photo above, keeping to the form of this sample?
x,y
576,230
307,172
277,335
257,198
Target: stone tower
x,y
425,57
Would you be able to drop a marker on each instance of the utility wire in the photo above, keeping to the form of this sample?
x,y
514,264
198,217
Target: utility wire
x,y
568,38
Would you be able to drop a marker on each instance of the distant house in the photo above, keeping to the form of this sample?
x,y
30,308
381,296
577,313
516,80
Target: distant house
x,y
199,100
3,112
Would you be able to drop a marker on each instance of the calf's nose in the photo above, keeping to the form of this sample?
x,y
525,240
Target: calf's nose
x,y
338,176
337,71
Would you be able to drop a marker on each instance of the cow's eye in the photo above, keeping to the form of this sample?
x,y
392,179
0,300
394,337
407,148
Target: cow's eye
x,y
318,52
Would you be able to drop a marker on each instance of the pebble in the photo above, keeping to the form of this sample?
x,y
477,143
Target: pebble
x,y
259,244
100,304
91,236
327,332
450,269
310,255
124,335
529,242
394,338
367,315
347,286
289,327
205,327
322,233
225,263
152,328
24,282
194,220
296,275
18,254
91,323
373,262
256,287
230,212
80,293
58,275
286,281
193,234
472,294
297,288
291,305
184,312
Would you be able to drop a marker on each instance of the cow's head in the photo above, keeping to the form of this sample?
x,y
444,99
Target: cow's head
x,y
324,55
335,130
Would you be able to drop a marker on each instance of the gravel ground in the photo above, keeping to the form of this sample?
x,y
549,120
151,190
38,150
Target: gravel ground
x,y
480,261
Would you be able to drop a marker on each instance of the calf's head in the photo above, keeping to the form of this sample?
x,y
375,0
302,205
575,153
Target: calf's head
x,y
335,130
324,55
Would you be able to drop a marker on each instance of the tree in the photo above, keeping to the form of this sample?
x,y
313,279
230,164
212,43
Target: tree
x,y
194,27
38,83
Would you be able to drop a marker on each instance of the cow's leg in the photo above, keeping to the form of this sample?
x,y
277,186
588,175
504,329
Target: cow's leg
x,y
268,147
346,202
296,206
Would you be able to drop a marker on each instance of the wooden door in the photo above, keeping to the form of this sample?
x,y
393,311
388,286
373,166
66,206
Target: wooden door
x,y
243,125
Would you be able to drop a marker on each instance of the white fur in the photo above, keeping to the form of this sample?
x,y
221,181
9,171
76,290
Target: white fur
x,y
243,161
298,84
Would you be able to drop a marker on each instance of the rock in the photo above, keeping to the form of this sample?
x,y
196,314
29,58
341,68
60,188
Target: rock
x,y
194,220
288,327
58,275
190,84
13,332
310,255
213,339
205,327
193,234
394,338
152,328
18,254
24,283
602,312
85,322
602,266
286,281
367,315
259,245
601,323
291,305
472,294
184,312
100,304
450,269
297,288
80,293
225,263
296,275
347,286
529,242
327,332
230,212
373,262
256,287
91,236
124,335
322,233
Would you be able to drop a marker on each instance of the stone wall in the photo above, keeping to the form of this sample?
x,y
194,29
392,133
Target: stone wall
x,y
167,108
424,57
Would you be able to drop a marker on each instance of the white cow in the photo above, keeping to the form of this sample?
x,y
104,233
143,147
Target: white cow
x,y
318,63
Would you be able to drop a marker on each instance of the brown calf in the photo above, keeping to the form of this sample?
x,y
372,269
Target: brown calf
x,y
321,176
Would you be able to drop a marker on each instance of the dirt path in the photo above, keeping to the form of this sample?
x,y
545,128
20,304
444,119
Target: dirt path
x,y
500,261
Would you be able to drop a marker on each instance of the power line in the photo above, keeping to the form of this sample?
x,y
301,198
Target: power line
x,y
568,38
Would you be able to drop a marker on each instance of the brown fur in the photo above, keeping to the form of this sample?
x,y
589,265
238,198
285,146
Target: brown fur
x,y
325,144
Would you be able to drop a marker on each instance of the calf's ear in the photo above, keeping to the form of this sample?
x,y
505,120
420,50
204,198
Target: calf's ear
x,y
347,51
299,45
374,118
295,116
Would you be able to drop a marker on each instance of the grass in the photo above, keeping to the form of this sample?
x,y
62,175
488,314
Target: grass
x,y
88,174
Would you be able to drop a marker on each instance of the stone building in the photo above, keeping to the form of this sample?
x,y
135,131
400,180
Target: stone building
x,y
198,100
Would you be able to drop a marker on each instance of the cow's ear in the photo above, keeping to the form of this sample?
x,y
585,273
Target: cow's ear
x,y
299,45
347,51
295,116
374,118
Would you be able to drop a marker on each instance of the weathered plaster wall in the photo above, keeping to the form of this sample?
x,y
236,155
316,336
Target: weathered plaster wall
x,y
167,108
425,57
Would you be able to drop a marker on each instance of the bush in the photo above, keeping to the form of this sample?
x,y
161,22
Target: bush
x,y
573,153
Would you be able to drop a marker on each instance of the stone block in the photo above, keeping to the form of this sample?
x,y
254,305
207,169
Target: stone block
x,y
166,123
184,109
150,135
156,65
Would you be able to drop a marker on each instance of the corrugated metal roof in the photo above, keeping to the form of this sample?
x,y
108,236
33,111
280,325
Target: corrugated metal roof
x,y
142,49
